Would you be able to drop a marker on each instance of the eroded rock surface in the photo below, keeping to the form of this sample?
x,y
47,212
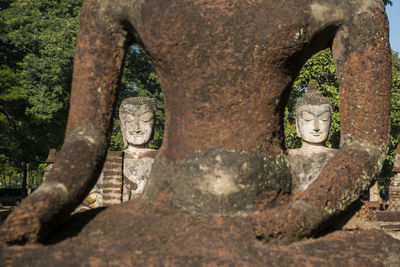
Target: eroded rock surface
x,y
226,68
142,235
306,166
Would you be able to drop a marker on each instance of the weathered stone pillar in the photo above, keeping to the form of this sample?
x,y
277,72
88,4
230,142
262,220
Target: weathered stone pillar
x,y
394,187
394,193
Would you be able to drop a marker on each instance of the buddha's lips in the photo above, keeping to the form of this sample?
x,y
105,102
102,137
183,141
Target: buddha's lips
x,y
136,135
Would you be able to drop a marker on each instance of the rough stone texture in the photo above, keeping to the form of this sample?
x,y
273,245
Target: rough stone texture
x,y
374,193
140,235
388,216
394,193
226,68
396,163
220,182
136,171
136,116
394,187
306,166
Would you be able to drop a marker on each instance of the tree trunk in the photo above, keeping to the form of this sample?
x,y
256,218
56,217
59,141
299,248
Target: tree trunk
x,y
24,180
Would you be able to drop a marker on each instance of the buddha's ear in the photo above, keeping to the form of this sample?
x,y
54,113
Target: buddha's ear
x,y
297,127
152,129
122,126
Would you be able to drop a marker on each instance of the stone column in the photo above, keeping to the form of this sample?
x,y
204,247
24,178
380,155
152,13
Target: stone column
x,y
394,193
394,187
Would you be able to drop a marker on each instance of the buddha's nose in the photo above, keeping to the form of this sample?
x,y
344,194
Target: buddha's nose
x,y
316,126
136,127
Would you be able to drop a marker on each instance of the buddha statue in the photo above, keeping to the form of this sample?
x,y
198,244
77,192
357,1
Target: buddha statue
x,y
313,119
137,121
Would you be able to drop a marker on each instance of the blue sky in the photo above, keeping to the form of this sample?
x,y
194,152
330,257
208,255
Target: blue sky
x,y
394,24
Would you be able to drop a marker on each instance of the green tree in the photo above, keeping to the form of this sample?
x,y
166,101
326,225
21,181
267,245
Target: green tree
x,y
44,32
37,47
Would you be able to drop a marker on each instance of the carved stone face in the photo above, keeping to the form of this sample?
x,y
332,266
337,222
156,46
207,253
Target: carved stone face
x,y
138,125
312,123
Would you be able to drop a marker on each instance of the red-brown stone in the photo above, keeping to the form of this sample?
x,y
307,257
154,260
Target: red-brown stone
x,y
134,235
226,69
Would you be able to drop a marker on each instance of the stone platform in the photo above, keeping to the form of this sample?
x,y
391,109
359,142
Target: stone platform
x,y
136,235
388,216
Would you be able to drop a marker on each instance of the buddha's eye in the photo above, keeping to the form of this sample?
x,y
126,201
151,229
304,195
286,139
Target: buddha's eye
x,y
146,117
308,116
324,116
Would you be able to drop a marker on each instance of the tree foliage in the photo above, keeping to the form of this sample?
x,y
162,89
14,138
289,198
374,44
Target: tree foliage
x,y
38,38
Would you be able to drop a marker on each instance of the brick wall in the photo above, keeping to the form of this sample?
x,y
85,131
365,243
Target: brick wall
x,y
112,179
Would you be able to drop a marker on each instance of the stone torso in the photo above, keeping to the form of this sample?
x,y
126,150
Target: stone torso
x,y
305,167
136,170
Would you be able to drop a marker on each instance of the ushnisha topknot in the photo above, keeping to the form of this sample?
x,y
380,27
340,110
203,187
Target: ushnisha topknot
x,y
313,97
127,104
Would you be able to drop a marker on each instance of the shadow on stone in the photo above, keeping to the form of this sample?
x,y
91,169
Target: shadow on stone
x,y
73,226
339,221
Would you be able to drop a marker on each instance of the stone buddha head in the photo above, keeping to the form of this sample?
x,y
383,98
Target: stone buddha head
x,y
137,120
313,117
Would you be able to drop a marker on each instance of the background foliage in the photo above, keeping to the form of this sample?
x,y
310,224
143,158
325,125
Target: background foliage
x,y
37,44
